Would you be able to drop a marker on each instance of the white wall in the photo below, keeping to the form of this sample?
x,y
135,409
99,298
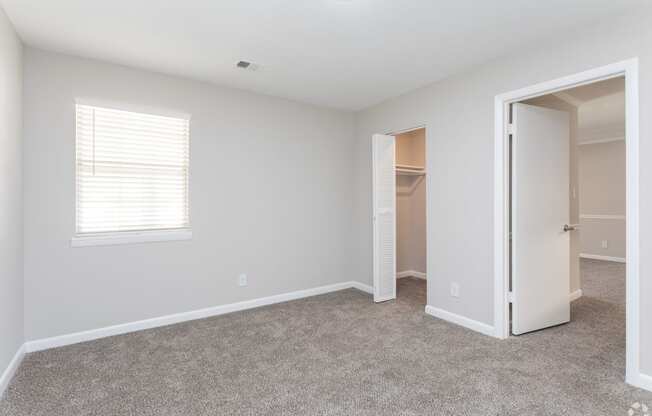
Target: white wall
x,y
270,196
602,192
11,194
602,175
459,113
602,118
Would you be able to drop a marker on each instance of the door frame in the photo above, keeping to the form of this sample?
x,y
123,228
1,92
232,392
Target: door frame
x,y
374,254
628,69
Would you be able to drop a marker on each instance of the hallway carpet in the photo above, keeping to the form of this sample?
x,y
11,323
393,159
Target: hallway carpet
x,y
337,354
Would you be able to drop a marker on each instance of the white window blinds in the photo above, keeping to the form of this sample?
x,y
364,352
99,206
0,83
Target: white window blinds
x,y
132,171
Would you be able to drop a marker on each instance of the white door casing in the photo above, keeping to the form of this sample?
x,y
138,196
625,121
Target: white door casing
x,y
630,70
384,217
540,209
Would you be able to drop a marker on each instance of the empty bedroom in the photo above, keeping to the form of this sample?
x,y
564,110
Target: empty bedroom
x,y
333,207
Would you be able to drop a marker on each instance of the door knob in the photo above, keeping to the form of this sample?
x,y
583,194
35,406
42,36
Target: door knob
x,y
571,227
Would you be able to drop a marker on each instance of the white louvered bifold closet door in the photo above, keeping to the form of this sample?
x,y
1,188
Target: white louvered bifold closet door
x,y
132,171
384,200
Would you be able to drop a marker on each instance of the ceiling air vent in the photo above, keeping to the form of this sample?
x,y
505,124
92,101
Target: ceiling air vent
x,y
246,65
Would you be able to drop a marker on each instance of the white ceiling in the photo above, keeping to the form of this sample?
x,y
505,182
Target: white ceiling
x,y
346,54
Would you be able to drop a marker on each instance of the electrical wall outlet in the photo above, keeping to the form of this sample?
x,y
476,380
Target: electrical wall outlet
x,y
455,290
605,243
242,280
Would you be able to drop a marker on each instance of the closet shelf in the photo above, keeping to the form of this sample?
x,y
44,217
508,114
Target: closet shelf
x,y
410,172
409,167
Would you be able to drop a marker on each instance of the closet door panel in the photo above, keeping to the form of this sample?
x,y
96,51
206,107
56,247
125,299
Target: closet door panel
x,y
384,217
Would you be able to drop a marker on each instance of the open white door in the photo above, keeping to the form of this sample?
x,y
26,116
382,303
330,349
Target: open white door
x,y
540,212
384,212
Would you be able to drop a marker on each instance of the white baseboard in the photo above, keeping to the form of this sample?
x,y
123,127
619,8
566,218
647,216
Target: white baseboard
x,y
576,295
411,273
643,381
11,369
599,257
461,320
362,287
83,336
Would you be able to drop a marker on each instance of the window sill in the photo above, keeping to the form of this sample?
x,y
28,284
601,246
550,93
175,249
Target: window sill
x,y
130,237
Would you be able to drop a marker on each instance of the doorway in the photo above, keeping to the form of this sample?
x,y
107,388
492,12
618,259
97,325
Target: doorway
x,y
399,215
534,214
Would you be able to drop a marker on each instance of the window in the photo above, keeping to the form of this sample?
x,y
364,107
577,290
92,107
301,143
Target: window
x,y
132,173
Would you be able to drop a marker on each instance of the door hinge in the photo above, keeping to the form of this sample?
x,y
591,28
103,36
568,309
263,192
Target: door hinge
x,y
511,129
510,297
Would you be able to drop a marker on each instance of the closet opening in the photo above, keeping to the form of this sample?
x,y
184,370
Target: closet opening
x,y
399,197
411,215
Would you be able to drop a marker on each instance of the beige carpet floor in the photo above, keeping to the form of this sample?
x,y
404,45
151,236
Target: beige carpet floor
x,y
341,354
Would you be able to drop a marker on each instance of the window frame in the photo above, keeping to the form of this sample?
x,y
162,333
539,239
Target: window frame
x,y
131,236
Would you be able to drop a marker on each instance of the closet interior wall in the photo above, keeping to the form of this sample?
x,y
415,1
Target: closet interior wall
x,y
411,203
